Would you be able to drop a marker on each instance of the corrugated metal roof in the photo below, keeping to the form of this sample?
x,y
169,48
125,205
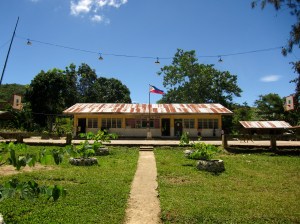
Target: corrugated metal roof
x,y
80,108
265,124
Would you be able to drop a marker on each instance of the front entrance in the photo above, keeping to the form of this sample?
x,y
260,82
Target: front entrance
x,y
165,127
81,128
177,127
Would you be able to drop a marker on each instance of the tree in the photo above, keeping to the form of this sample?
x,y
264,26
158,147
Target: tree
x,y
294,9
7,90
242,113
46,94
270,107
188,81
51,92
86,87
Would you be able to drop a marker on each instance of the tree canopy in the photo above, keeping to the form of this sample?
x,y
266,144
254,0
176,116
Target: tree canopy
x,y
270,107
188,81
53,91
7,90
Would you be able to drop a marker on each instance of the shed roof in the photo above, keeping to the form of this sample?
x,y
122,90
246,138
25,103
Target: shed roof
x,y
265,124
122,108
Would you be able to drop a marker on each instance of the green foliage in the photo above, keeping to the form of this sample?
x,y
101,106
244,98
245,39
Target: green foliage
x,y
270,107
85,149
7,91
203,151
52,91
58,155
189,81
29,190
19,156
184,139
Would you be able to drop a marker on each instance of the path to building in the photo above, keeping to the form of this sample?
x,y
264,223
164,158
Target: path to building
x,y
143,205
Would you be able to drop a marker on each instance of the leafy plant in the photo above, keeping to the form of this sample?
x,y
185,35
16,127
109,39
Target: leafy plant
x,y
203,151
85,149
58,155
29,190
184,139
20,160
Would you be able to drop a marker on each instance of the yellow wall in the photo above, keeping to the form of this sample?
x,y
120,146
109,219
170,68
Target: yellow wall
x,y
124,116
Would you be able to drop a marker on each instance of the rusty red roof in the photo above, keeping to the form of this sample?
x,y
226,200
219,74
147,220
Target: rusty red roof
x,y
123,108
265,124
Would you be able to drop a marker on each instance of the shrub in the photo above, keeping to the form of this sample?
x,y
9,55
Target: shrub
x,y
203,151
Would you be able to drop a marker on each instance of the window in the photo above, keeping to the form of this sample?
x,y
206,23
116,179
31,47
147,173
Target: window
x,y
107,123
189,123
92,122
208,124
141,123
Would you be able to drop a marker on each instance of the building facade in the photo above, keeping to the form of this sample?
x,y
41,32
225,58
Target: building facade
x,y
137,120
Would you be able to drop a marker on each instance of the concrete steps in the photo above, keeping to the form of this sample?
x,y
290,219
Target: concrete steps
x,y
146,148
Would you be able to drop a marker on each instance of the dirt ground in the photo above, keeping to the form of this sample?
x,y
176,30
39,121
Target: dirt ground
x,y
143,204
7,170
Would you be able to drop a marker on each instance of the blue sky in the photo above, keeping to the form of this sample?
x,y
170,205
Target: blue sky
x,y
150,29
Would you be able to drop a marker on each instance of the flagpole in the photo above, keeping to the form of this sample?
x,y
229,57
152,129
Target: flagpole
x,y
149,133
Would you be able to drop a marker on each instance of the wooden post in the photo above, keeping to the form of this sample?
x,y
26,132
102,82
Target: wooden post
x,y
20,138
273,142
69,139
224,141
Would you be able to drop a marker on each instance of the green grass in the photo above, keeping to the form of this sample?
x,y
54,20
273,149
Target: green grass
x,y
255,188
96,194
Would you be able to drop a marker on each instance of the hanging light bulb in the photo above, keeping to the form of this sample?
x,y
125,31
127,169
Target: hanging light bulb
x,y
100,57
157,61
29,42
220,59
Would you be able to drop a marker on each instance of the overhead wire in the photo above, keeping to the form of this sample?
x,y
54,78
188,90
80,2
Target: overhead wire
x,y
148,57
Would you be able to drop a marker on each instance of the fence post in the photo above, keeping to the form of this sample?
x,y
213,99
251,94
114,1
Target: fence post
x,y
69,139
273,142
224,141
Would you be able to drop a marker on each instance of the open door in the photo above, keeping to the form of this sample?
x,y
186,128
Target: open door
x,y
165,127
81,128
178,127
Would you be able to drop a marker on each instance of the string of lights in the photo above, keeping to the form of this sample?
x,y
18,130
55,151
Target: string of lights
x,y
101,54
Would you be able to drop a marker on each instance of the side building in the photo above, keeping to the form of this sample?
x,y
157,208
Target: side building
x,y
133,120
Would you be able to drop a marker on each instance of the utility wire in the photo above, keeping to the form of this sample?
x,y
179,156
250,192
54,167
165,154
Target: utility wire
x,y
149,57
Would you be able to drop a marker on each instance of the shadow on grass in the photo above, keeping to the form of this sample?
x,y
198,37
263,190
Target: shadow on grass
x,y
279,151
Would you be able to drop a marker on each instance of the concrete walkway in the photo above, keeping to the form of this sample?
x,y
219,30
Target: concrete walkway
x,y
143,205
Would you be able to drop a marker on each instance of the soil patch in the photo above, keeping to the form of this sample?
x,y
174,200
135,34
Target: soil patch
x,y
7,170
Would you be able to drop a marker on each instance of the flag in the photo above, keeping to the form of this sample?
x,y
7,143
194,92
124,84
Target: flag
x,y
153,89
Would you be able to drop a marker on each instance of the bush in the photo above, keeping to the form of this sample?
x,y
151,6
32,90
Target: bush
x,y
203,151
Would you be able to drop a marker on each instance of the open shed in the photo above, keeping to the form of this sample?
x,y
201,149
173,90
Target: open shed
x,y
271,128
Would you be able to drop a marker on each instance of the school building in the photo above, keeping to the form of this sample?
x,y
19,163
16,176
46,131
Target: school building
x,y
137,120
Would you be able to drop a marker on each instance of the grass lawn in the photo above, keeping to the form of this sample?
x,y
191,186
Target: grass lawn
x,y
96,194
255,188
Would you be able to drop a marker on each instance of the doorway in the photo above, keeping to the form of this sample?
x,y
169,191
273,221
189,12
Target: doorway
x,y
165,127
177,127
81,128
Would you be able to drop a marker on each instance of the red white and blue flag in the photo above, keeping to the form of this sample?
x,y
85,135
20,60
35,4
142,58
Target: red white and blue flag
x,y
153,89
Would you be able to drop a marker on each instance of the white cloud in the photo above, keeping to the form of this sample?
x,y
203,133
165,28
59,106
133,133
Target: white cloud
x,y
112,3
99,19
270,78
83,6
79,7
